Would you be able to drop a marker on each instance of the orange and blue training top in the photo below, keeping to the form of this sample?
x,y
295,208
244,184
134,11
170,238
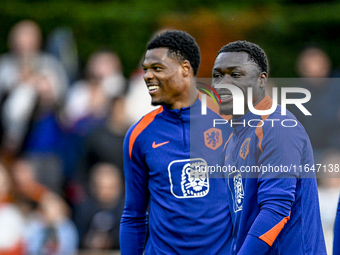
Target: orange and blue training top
x,y
188,210
272,186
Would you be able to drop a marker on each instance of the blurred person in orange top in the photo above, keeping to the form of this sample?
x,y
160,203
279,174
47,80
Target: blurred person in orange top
x,y
28,191
48,229
11,219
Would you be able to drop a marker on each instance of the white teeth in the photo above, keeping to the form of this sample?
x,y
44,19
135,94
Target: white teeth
x,y
154,87
225,97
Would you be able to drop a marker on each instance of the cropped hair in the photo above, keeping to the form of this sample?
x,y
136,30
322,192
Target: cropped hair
x,y
256,54
180,45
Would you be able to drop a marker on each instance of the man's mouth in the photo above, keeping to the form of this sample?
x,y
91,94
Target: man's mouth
x,y
226,98
152,88
225,95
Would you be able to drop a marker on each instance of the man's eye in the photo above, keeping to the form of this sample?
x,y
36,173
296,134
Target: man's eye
x,y
145,69
216,75
156,68
235,74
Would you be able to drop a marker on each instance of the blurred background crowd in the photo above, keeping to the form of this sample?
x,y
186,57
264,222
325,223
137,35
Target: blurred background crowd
x,y
71,84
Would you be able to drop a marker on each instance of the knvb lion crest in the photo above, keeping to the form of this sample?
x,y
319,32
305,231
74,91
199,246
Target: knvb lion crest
x,y
245,148
189,178
213,138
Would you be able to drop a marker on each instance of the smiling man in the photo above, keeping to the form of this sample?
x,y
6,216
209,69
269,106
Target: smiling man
x,y
163,155
272,187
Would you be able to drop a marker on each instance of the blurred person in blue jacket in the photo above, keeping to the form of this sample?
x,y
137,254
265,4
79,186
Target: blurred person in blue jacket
x,y
50,230
97,217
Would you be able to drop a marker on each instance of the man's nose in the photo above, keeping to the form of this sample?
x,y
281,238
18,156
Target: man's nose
x,y
148,75
224,80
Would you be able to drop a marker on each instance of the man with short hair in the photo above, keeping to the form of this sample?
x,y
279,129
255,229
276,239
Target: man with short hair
x,y
166,155
274,205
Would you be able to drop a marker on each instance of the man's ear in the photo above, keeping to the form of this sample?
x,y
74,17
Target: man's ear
x,y
186,68
262,79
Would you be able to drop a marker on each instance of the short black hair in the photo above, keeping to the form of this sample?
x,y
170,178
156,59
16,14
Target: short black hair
x,y
256,54
180,44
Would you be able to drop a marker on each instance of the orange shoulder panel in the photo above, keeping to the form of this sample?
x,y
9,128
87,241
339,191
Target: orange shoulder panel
x,y
145,121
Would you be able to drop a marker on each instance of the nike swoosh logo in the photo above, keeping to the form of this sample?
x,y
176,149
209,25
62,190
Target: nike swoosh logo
x,y
226,157
154,145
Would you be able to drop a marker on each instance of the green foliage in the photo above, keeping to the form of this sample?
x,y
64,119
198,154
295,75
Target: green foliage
x,y
281,27
285,35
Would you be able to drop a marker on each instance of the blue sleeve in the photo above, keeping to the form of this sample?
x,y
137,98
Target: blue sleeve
x,y
133,224
276,190
336,241
252,245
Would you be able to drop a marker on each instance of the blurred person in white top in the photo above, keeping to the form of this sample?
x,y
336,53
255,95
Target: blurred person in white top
x,y
20,70
25,59
138,98
103,81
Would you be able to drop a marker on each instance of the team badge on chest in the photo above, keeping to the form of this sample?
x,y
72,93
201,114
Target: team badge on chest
x,y
245,148
213,138
189,178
